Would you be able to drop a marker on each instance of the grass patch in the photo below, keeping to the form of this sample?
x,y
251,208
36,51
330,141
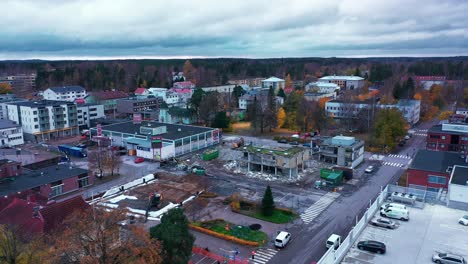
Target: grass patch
x,y
278,217
242,232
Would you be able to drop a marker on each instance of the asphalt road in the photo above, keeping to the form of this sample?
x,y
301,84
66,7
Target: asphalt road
x,y
308,243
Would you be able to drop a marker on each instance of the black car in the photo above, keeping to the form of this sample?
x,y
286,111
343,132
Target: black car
x,y
372,246
294,143
284,141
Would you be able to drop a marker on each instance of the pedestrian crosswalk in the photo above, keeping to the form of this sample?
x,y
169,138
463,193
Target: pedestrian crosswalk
x,y
421,134
394,164
263,255
399,156
422,130
317,208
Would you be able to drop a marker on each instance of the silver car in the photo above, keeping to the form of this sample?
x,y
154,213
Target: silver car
x,y
444,258
383,223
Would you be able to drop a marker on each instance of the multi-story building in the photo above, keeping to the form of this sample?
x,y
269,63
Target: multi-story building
x,y
322,87
426,82
11,134
462,111
251,82
432,169
169,97
342,151
410,109
448,137
4,99
20,82
285,162
184,85
44,120
228,88
274,82
88,112
134,105
345,82
262,97
141,92
65,93
106,98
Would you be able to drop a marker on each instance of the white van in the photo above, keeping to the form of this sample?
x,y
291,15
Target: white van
x,y
282,239
333,241
397,213
393,205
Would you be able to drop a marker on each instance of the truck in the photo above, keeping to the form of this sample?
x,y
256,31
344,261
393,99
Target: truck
x,y
72,151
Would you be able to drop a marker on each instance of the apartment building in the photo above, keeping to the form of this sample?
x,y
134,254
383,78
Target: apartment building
x,y
322,87
342,151
448,137
345,82
134,105
20,82
11,134
170,97
106,98
274,82
228,88
251,82
4,99
45,119
88,112
65,93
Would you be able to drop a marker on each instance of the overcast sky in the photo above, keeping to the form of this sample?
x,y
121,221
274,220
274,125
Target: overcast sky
x,y
73,29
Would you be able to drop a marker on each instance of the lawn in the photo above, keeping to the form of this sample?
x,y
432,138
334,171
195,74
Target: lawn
x,y
242,232
278,217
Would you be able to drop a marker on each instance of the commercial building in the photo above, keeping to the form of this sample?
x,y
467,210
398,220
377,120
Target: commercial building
x,y
106,98
432,169
274,82
134,105
45,119
50,182
410,109
285,162
458,188
341,151
158,141
20,82
88,112
448,137
64,93
345,82
11,134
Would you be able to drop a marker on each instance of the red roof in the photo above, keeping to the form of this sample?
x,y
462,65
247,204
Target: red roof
x,y
21,214
108,95
54,214
140,90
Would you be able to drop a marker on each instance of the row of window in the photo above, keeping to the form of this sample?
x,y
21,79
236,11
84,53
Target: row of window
x,y
14,138
436,179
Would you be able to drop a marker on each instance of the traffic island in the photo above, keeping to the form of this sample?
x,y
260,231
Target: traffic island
x,y
235,233
251,209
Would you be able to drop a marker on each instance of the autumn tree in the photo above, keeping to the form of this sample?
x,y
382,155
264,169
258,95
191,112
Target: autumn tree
x,y
271,121
189,71
111,160
209,106
174,234
288,82
291,106
281,117
389,126
305,115
99,236
17,247
445,115
5,88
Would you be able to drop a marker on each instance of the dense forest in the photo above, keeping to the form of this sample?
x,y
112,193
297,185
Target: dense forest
x,y
126,75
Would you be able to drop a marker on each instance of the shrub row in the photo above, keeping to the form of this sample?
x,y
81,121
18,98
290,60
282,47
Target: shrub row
x,y
225,237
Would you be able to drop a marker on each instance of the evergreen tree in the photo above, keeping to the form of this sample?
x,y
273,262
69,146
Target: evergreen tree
x,y
357,72
270,115
221,120
268,204
281,93
253,110
195,101
174,234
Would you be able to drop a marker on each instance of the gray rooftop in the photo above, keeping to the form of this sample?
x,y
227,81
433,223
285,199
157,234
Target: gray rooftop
x,y
8,124
66,89
30,179
460,175
436,161
41,103
173,132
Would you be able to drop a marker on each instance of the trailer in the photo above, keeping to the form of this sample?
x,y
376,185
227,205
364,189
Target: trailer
x,y
72,151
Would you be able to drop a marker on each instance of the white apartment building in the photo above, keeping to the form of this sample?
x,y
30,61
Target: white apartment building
x,y
322,87
11,134
345,82
65,93
274,82
228,88
339,109
45,119
88,112
169,97
4,99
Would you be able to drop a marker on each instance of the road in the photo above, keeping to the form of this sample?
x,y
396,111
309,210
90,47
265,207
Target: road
x,y
308,243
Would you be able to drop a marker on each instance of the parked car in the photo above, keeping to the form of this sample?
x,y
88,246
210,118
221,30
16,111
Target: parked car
x,y
463,220
407,137
372,246
444,258
333,241
396,213
394,205
383,223
282,239
139,160
284,141
369,169
294,143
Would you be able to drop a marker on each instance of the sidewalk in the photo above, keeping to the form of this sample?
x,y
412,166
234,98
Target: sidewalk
x,y
220,247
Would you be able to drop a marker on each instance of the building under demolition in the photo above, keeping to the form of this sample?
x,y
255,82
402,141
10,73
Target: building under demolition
x,y
278,161
342,151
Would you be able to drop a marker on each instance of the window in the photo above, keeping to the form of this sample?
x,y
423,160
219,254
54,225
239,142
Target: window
x,y
83,182
443,137
36,126
435,136
432,189
436,179
34,112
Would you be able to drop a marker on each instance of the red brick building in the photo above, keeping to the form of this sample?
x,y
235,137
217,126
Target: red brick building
x,y
448,137
432,169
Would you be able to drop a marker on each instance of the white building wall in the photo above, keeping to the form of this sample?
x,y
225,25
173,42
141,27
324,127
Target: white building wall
x,y
11,137
13,113
458,193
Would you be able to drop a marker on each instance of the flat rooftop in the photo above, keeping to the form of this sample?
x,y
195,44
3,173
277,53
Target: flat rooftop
x,y
338,77
280,151
433,229
173,131
459,175
436,161
41,103
34,178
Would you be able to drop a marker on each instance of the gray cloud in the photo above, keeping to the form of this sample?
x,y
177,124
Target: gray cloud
x,y
255,28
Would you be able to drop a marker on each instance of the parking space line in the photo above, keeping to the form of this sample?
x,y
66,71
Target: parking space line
x,y
358,259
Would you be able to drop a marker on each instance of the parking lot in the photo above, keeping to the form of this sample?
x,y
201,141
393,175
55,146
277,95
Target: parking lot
x,y
433,229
